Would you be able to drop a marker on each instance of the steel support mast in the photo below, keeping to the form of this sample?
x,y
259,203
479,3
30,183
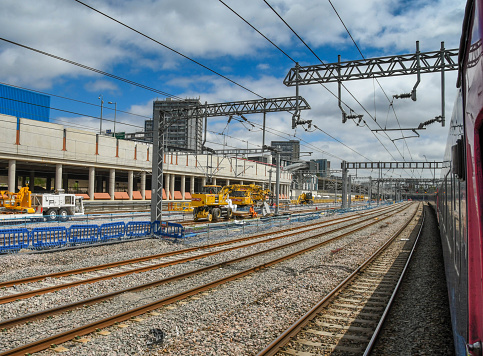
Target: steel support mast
x,y
243,107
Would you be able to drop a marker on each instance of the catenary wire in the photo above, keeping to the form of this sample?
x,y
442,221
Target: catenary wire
x,y
344,88
76,100
91,69
167,47
342,85
283,51
362,55
68,111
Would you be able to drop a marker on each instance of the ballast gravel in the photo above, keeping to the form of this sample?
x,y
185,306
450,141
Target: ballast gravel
x,y
237,318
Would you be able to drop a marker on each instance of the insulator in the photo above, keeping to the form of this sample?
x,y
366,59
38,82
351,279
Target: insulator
x,y
402,96
354,116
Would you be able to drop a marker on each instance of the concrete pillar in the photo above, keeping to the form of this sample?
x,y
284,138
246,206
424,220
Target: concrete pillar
x,y
171,189
203,181
183,184
344,185
192,185
214,180
12,183
112,182
32,181
241,182
167,185
92,180
143,185
349,199
130,182
227,182
58,176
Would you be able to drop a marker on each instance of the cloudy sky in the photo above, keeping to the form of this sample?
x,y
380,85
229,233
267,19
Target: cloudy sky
x,y
209,33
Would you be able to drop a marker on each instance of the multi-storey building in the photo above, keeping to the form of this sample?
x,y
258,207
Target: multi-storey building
x,y
289,150
323,167
184,134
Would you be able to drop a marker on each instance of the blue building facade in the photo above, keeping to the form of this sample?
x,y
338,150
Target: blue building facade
x,y
24,104
323,167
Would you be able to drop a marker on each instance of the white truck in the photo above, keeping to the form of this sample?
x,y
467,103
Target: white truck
x,y
58,206
31,206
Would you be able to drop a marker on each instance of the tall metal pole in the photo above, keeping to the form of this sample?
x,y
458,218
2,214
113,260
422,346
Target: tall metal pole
x,y
115,111
370,191
349,191
157,168
335,193
264,118
378,186
442,86
344,185
277,185
102,103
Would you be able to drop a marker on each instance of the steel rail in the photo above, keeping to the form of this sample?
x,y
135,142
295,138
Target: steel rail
x,y
296,327
171,253
95,326
40,291
375,335
6,324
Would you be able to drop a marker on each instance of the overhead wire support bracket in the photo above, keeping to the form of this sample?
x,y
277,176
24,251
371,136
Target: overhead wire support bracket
x,y
412,94
296,116
404,137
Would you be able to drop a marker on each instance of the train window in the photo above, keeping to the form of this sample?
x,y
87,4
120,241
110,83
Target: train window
x,y
458,159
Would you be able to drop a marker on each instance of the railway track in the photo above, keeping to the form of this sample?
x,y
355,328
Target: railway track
x,y
15,289
68,335
348,319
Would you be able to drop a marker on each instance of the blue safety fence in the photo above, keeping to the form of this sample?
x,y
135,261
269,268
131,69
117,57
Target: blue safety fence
x,y
114,230
14,239
168,229
79,234
138,228
49,237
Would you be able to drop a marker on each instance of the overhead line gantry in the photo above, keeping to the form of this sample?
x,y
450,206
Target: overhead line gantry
x,y
244,107
381,67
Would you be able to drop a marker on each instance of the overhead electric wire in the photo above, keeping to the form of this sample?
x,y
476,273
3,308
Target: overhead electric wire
x,y
362,106
279,47
261,34
69,112
91,69
167,47
342,143
300,38
342,85
362,55
76,100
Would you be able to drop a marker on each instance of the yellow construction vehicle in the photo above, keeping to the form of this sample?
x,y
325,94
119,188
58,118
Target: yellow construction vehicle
x,y
305,198
211,203
20,202
247,195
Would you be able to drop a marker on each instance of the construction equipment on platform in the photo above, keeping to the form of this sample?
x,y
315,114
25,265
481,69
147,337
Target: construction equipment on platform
x,y
212,203
20,202
248,194
51,206
305,198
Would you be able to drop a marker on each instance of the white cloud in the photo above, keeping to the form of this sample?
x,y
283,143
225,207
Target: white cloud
x,y
211,34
